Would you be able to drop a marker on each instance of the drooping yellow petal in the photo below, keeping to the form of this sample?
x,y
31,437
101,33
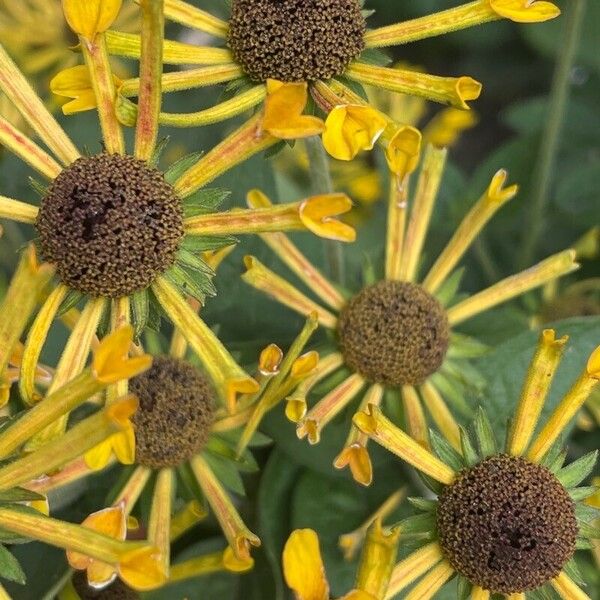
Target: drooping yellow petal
x,y
408,570
385,433
303,566
567,408
186,518
456,91
430,177
89,17
328,407
351,128
525,11
414,415
350,543
318,213
535,389
111,361
551,268
492,200
159,523
432,582
18,211
567,588
284,105
262,278
75,82
441,414
403,150
447,125
377,560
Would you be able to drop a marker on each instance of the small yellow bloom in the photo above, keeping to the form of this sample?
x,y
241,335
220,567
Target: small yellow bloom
x,y
403,151
75,83
89,17
318,215
351,128
284,106
111,522
525,11
303,566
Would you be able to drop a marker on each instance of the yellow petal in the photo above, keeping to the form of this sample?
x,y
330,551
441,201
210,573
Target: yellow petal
x,y
89,17
99,456
234,564
303,567
284,106
270,359
123,446
525,11
403,151
318,215
304,365
75,83
111,361
356,456
110,521
142,569
351,128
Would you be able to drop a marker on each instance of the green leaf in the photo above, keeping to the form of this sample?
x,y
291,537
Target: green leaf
x,y
72,298
9,567
572,571
204,243
226,473
445,451
573,474
581,493
204,201
193,261
485,434
424,504
468,449
140,307
176,170
19,494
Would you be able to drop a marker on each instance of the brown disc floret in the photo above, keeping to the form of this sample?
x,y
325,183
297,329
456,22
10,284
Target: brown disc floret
x,y
295,40
175,413
507,525
110,224
394,333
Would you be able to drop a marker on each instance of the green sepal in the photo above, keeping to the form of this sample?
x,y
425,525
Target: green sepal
x,y
204,201
552,456
198,288
140,307
71,300
18,494
190,487
417,524
356,87
583,544
374,56
221,448
586,530
424,504
445,451
573,572
465,346
190,260
38,187
10,568
226,472
486,439
468,449
448,290
205,243
158,150
451,388
464,587
155,313
573,474
275,149
177,169
104,324
581,493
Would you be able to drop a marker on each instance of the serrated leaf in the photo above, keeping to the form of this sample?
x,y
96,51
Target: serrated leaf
x,y
581,493
198,287
468,449
71,300
204,201
556,455
10,568
18,494
485,434
177,169
573,474
192,261
140,308
445,451
205,243
424,504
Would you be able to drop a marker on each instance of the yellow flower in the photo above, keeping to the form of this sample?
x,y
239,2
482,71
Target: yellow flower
x,y
305,574
421,361
114,267
521,490
314,47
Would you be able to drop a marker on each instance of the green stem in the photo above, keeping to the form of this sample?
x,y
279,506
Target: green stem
x,y
559,95
321,184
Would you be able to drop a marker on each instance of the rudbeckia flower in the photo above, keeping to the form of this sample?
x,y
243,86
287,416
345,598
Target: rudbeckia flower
x,y
507,519
310,43
183,436
398,334
126,239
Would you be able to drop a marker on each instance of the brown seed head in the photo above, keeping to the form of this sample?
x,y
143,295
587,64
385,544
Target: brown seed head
x,y
507,525
394,333
175,413
295,40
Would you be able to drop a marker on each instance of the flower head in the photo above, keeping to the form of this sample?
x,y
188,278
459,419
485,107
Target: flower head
x,y
506,520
